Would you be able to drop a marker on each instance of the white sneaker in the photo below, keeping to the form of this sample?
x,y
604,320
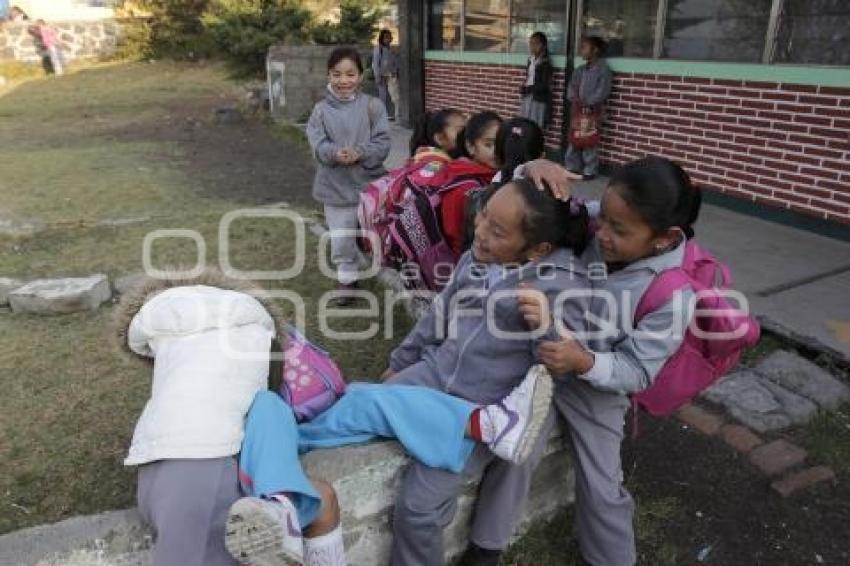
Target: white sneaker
x,y
513,425
264,532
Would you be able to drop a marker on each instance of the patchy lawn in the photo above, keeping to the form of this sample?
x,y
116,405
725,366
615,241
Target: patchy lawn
x,y
134,146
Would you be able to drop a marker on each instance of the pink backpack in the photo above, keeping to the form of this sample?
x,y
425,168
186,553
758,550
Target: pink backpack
x,y
415,228
311,382
380,196
701,360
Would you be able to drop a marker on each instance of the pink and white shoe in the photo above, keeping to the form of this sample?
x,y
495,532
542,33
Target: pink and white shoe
x,y
511,427
264,532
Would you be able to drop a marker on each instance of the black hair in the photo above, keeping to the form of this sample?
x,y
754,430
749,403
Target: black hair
x,y
474,129
594,40
341,53
518,141
384,32
661,192
429,125
544,40
564,224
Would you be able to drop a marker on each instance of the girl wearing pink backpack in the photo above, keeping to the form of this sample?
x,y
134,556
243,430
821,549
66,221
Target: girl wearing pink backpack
x,y
646,273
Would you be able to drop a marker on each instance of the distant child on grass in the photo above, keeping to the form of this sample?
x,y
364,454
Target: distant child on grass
x,y
46,36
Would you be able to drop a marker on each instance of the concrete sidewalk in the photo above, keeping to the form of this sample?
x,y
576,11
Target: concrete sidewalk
x,y
797,282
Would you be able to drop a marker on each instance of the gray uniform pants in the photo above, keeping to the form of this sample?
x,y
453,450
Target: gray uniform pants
x,y
603,526
584,161
186,503
427,502
604,509
344,253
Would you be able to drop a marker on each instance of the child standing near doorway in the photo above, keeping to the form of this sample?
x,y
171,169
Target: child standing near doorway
x,y
587,92
349,134
537,90
385,69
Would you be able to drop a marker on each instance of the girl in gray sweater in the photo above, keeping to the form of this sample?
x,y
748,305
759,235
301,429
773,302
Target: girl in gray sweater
x,y
349,135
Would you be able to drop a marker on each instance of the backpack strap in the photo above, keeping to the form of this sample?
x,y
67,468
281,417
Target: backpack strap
x,y
372,112
661,290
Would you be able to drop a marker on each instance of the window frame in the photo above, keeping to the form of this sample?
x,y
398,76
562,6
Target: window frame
x,y
768,56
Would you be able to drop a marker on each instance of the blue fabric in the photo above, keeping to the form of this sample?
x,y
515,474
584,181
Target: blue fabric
x,y
431,425
269,461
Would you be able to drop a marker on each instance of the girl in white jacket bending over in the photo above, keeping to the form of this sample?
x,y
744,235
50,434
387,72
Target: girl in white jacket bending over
x,y
210,343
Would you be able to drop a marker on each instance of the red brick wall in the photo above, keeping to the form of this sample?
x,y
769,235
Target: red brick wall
x,y
473,87
780,145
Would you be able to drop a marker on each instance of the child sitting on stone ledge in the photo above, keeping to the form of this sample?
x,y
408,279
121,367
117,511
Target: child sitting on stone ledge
x,y
213,348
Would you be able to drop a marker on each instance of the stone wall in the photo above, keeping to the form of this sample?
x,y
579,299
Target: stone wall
x,y
297,76
366,479
78,40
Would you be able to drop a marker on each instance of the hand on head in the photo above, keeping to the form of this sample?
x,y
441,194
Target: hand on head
x,y
548,173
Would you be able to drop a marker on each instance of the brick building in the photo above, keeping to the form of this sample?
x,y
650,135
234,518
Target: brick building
x,y
751,96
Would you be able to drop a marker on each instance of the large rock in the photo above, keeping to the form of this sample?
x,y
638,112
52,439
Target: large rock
x,y
60,296
804,378
8,285
365,477
759,403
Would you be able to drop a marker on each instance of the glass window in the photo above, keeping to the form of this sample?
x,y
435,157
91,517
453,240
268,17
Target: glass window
x,y
716,30
548,16
444,24
814,31
627,25
487,25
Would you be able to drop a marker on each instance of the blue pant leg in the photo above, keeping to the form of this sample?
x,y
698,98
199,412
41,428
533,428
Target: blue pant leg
x,y
430,425
269,461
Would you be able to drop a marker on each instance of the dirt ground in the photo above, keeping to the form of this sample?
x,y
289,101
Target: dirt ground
x,y
249,162
728,507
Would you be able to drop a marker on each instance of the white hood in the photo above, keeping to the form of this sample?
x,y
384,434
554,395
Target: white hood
x,y
211,356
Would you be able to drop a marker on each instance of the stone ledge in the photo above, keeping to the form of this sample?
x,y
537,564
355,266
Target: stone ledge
x,y
366,478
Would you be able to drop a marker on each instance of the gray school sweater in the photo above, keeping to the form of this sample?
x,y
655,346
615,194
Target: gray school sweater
x,y
360,123
454,349
626,362
591,84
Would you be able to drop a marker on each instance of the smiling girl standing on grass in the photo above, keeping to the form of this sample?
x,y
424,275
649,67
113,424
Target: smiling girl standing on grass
x,y
349,135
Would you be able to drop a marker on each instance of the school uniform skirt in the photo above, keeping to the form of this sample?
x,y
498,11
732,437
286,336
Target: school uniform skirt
x,y
533,110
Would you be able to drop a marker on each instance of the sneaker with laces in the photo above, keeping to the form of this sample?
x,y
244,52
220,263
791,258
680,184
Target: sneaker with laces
x,y
511,427
264,532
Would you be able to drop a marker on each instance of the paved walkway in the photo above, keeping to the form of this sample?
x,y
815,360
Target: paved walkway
x,y
797,282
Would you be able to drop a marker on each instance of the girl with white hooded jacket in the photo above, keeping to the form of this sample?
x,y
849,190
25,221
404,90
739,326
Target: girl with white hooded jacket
x,y
210,343
211,346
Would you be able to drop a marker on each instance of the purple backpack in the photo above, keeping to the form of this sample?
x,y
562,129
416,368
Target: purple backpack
x,y
311,382
702,358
